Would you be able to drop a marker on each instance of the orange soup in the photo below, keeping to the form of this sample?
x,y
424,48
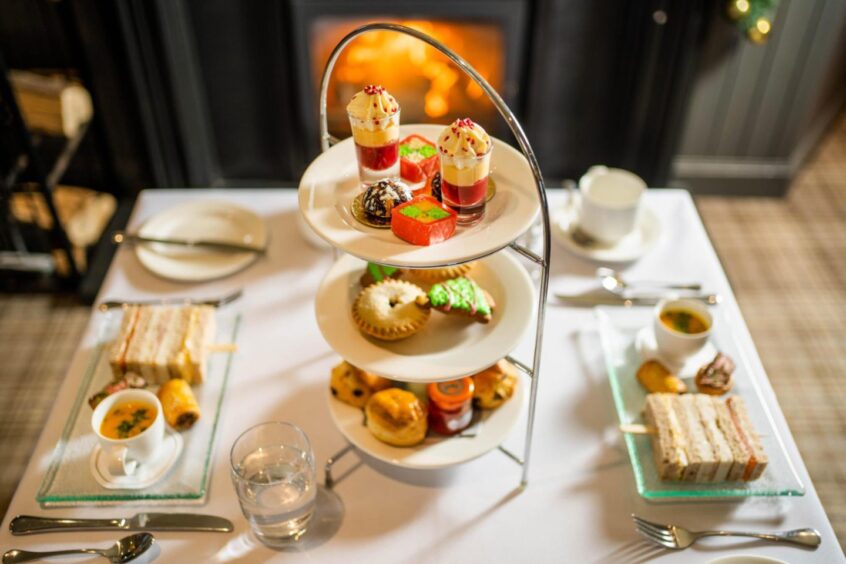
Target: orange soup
x,y
684,321
128,419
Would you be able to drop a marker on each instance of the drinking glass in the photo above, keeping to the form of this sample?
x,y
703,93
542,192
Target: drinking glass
x,y
464,185
274,476
376,147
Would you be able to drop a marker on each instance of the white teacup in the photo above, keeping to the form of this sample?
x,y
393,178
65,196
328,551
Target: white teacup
x,y
609,203
125,455
676,345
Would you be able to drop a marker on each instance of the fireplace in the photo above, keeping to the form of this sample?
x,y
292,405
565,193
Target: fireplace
x,y
430,88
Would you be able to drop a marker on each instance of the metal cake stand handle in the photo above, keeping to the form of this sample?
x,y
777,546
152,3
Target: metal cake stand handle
x,y
326,140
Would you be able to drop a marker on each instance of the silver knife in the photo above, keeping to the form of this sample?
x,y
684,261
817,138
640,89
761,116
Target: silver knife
x,y
606,298
31,524
215,302
119,237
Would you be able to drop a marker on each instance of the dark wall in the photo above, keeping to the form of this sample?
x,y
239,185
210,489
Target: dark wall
x,y
203,92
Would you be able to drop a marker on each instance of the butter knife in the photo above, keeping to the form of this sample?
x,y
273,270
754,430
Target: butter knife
x,y
119,237
606,298
31,524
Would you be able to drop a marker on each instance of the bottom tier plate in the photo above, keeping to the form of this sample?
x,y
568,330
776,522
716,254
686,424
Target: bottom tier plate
x,y
436,451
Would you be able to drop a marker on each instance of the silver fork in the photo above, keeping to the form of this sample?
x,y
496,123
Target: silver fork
x,y
675,537
215,302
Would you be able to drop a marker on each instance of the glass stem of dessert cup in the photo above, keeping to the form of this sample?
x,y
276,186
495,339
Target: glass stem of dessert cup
x,y
376,148
542,260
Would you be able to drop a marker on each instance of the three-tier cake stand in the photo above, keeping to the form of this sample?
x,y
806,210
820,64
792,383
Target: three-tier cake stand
x,y
484,242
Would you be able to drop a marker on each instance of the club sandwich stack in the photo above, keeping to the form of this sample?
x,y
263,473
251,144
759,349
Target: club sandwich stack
x,y
164,342
702,438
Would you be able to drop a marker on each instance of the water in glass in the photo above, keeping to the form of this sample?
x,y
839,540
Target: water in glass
x,y
277,490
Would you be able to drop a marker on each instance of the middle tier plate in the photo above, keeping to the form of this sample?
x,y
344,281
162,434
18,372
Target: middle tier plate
x,y
331,183
449,346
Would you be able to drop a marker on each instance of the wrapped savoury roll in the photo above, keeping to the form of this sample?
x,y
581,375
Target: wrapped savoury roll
x,y
179,406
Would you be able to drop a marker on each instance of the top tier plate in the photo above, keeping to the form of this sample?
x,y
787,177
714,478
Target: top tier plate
x,y
331,182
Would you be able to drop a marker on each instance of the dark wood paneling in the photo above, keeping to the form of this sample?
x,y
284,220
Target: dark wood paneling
x,y
244,54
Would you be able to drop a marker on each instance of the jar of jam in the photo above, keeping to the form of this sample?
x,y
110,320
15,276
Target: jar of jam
x,y
450,406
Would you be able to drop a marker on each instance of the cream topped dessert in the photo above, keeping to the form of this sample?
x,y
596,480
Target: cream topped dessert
x,y
465,151
374,119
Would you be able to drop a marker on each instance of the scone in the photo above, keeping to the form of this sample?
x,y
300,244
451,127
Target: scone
x,y
657,378
435,275
387,310
355,386
460,296
495,385
396,417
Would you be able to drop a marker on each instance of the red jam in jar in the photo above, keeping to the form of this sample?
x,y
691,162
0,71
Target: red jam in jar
x,y
450,406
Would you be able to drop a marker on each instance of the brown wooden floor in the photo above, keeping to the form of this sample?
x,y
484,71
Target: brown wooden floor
x,y
785,257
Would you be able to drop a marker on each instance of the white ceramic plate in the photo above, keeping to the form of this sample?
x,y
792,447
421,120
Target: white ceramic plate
x,y
449,346
206,220
629,248
746,559
435,451
331,182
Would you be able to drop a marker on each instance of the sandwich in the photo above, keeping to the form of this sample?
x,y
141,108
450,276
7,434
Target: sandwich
x,y
162,342
703,439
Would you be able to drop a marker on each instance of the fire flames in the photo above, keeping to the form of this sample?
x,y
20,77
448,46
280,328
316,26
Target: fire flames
x,y
428,86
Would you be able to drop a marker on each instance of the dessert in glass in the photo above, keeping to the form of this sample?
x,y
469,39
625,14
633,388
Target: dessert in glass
x,y
374,118
465,151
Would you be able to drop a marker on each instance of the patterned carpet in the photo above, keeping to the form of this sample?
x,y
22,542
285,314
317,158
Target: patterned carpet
x,y
786,259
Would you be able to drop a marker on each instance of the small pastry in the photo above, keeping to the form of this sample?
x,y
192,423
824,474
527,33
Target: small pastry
x,y
355,386
387,310
396,417
436,187
715,377
130,381
462,296
419,163
179,406
382,197
656,378
495,385
423,221
378,272
435,275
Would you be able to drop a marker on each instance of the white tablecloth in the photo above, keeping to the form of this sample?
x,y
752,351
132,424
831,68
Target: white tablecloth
x,y
581,489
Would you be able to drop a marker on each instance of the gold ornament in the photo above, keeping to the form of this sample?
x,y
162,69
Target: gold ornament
x,y
738,9
760,32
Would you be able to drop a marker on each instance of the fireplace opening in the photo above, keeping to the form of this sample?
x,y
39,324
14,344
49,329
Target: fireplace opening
x,y
429,87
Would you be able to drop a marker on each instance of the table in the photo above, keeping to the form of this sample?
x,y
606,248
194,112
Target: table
x,y
581,490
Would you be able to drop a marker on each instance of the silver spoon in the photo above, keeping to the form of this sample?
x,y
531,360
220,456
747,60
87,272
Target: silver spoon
x,y
612,281
124,550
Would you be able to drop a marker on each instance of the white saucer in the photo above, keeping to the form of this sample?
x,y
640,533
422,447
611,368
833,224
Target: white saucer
x,y
206,220
648,349
146,474
629,248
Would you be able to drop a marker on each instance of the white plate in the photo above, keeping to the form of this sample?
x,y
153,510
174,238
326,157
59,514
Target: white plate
x,y
147,474
746,559
435,451
207,220
449,346
331,182
629,248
